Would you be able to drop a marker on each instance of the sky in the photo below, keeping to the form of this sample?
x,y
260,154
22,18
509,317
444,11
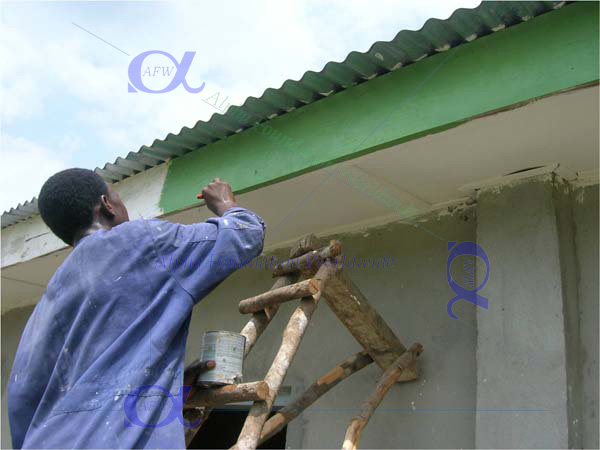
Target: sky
x,y
64,69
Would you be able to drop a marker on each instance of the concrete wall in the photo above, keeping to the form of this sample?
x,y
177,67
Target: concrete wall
x,y
438,410
522,378
537,365
585,213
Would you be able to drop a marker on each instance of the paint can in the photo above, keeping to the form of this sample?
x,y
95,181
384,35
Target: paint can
x,y
227,350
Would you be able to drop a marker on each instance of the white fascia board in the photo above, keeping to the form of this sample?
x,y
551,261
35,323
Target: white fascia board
x,y
32,238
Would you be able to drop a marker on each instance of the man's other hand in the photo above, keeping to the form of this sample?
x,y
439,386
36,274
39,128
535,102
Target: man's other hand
x,y
192,371
218,197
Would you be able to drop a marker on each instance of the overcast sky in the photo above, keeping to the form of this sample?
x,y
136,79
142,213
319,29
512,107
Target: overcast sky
x,y
64,92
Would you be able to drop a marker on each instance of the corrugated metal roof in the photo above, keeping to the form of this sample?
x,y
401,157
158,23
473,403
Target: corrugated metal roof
x,y
464,25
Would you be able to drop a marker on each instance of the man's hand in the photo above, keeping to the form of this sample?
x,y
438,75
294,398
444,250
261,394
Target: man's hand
x,y
218,196
192,371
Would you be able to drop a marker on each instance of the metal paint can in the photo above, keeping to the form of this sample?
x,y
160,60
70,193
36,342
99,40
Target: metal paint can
x,y
227,350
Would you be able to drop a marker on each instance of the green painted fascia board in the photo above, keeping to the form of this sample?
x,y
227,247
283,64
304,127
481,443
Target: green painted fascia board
x,y
548,54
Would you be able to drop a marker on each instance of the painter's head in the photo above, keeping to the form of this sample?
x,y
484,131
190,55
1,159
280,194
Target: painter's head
x,y
73,200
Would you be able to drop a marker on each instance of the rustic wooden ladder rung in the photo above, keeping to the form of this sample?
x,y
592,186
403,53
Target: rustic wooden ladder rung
x,y
322,277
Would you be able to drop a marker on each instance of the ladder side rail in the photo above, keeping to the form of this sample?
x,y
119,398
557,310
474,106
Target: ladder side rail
x,y
391,375
251,331
313,393
254,328
292,335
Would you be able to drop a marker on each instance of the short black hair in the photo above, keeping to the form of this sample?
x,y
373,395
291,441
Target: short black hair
x,y
67,200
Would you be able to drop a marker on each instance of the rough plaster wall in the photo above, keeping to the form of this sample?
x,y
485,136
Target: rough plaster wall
x,y
547,308
517,227
585,214
435,411
562,195
13,324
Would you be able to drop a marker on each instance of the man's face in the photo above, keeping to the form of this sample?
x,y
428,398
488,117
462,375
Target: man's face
x,y
117,206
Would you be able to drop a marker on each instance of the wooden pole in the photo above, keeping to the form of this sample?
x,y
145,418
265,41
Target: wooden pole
x,y
387,380
306,244
292,335
363,321
316,390
309,261
243,392
283,294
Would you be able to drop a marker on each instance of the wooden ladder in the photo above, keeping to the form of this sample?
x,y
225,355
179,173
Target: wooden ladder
x,y
313,272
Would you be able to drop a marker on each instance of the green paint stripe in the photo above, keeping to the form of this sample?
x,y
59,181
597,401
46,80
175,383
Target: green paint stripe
x,y
550,53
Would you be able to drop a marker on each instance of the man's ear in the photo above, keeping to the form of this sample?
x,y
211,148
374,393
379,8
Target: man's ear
x,y
106,208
